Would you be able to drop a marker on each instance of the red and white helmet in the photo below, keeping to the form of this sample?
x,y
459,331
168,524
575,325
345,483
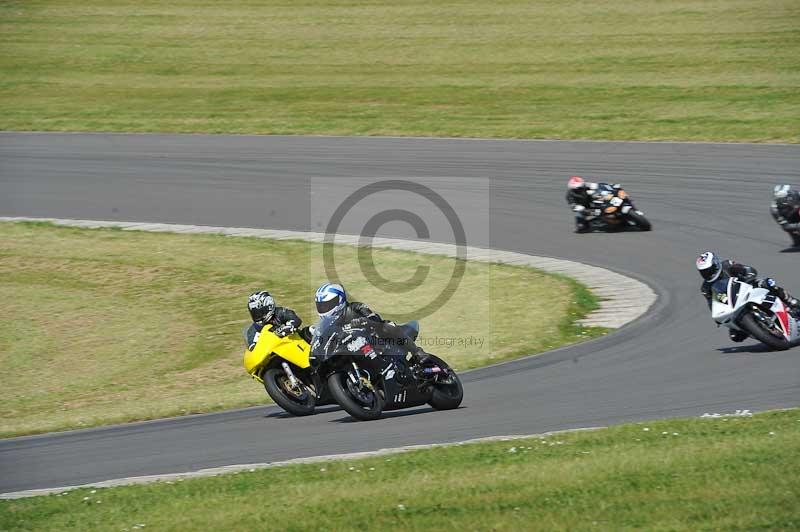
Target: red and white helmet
x,y
575,182
709,266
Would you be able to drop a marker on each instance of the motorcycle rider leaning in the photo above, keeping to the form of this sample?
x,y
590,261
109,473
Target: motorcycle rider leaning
x,y
264,312
785,209
331,302
580,194
711,269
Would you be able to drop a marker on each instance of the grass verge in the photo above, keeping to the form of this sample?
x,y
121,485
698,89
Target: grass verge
x,y
101,326
618,69
696,474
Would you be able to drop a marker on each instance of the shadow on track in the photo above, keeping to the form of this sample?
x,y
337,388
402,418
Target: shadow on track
x,y
319,410
393,414
754,349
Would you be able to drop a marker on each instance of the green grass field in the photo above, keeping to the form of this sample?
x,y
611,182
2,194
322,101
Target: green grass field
x,y
618,69
104,326
697,474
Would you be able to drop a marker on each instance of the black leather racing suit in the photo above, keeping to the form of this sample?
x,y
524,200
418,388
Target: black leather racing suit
x,y
582,197
282,316
356,310
786,212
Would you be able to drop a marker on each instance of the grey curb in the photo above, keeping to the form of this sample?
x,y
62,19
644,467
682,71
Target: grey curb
x,y
242,468
623,299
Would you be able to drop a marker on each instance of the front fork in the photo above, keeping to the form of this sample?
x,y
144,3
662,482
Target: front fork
x,y
290,375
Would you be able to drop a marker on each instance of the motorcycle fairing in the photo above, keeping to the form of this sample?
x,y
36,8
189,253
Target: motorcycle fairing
x,y
730,296
291,348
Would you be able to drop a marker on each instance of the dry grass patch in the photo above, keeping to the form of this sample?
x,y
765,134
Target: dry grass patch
x,y
618,69
102,326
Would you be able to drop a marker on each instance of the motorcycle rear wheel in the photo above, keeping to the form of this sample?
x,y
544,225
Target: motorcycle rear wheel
x,y
753,326
446,395
277,386
354,407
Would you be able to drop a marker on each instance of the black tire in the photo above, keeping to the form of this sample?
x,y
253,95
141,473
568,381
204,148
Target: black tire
x,y
750,324
358,410
446,396
641,222
275,381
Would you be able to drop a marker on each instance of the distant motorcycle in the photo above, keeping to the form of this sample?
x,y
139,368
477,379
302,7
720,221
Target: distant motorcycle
x,y
754,311
368,370
612,209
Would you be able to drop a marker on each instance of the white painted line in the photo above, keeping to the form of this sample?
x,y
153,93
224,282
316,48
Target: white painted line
x,y
623,298
149,479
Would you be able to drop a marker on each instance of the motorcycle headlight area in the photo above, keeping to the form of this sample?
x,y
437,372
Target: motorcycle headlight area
x,y
721,297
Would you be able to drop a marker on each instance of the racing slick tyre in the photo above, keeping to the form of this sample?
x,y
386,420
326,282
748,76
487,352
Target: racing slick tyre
x,y
641,222
364,405
758,331
296,402
447,392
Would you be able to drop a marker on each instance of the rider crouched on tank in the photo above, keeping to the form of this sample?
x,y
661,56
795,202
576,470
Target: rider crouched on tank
x,y
264,312
785,209
332,304
711,269
580,194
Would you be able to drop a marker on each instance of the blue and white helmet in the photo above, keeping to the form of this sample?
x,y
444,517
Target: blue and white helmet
x,y
330,299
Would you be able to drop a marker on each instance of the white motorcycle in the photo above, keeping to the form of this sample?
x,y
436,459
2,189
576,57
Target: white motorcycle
x,y
754,311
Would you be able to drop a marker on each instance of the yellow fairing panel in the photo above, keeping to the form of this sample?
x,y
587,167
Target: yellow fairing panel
x,y
291,348
295,350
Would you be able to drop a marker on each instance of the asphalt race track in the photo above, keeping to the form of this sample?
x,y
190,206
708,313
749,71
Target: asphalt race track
x,y
672,362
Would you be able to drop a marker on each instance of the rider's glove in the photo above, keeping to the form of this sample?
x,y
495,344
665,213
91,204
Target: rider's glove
x,y
578,208
285,330
359,323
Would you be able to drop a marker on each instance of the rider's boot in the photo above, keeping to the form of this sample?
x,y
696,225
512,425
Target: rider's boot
x,y
792,304
581,225
794,307
419,356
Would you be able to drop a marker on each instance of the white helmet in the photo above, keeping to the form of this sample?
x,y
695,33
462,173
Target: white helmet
x,y
781,191
330,299
709,266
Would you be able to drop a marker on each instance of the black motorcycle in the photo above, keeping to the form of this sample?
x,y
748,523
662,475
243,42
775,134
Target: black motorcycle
x,y
787,214
612,209
369,369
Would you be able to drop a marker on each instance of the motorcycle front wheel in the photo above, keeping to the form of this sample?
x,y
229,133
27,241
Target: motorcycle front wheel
x,y
760,332
361,402
641,222
298,402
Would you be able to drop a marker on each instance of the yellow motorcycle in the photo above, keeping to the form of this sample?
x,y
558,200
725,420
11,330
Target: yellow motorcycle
x,y
283,365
